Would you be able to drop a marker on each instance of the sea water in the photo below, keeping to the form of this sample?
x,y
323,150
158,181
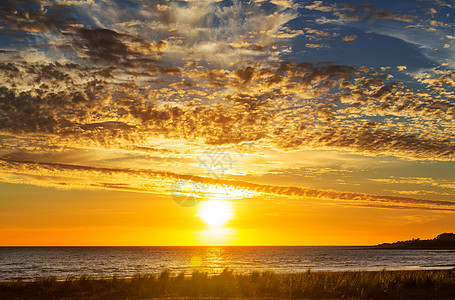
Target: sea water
x,y
102,262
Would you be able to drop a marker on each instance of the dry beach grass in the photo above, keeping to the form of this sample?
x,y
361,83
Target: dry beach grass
x,y
424,284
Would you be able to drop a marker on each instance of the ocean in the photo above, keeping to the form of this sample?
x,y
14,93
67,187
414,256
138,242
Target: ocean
x,y
101,262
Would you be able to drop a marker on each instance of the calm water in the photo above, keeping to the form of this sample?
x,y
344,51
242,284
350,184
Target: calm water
x,y
33,262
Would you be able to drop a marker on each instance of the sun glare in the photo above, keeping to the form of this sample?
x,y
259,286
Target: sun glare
x,y
215,213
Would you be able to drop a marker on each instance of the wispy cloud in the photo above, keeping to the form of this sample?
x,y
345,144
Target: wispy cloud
x,y
151,181
358,12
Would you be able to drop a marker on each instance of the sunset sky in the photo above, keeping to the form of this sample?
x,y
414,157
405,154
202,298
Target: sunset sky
x,y
311,122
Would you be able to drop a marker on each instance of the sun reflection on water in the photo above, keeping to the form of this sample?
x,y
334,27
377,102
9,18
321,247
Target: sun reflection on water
x,y
211,259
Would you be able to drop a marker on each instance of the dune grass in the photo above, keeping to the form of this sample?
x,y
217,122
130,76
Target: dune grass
x,y
438,284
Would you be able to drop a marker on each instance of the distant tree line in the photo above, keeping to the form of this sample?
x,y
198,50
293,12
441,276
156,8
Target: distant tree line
x,y
442,241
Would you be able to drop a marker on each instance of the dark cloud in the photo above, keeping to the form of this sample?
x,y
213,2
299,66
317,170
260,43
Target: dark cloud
x,y
109,46
103,44
245,74
8,67
31,16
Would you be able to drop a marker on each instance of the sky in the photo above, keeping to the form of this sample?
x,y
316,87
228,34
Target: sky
x,y
313,122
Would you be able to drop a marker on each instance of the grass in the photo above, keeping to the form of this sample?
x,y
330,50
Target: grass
x,y
436,284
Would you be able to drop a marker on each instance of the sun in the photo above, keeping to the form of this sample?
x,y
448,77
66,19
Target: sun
x,y
215,213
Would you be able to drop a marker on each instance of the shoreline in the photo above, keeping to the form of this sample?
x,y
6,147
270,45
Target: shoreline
x,y
214,272
171,274
415,284
174,273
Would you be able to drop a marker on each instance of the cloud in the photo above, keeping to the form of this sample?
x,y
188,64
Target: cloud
x,y
196,28
392,16
365,12
103,44
108,46
313,45
349,38
285,3
419,181
113,78
324,20
317,5
151,181
32,17
273,106
75,2
442,3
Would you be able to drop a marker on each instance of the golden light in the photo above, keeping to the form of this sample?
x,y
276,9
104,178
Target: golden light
x,y
215,213
221,192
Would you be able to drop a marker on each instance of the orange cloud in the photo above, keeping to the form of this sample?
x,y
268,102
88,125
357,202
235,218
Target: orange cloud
x,y
349,38
159,182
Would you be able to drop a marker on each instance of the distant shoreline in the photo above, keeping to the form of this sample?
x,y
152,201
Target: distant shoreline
x,y
444,241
